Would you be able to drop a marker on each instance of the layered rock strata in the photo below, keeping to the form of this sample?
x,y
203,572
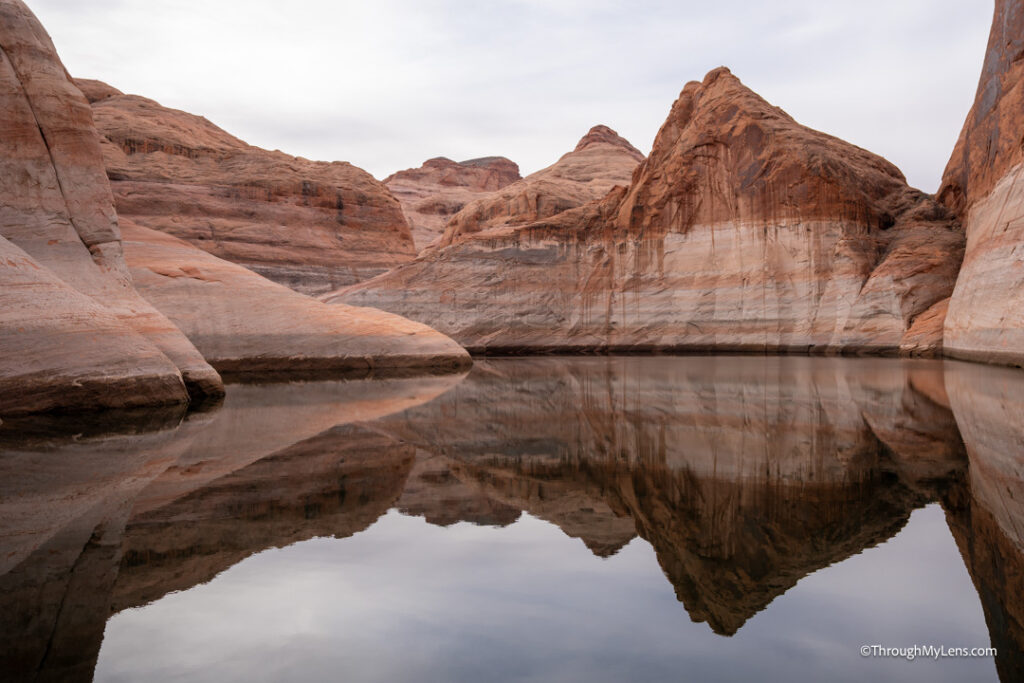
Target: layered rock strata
x,y
431,194
601,160
73,332
244,323
984,183
743,231
310,225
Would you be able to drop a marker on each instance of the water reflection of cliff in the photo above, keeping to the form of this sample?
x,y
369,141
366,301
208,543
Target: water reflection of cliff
x,y
96,524
986,512
744,474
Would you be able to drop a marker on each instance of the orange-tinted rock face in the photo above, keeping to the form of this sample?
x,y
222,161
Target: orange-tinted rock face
x,y
984,182
437,190
73,331
310,225
61,349
743,231
244,323
600,161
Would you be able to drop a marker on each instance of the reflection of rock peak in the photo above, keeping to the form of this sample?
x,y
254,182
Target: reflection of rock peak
x,y
745,474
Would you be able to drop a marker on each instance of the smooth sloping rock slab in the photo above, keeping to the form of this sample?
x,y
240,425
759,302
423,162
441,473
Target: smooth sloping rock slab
x,y
244,323
60,349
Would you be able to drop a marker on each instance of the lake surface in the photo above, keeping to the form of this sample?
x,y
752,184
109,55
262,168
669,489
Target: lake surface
x,y
546,519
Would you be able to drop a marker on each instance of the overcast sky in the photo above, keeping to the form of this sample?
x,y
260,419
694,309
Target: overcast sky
x,y
386,84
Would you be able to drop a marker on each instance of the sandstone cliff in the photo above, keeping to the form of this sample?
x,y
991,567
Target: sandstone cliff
x,y
601,160
743,231
244,323
431,194
984,182
313,226
73,331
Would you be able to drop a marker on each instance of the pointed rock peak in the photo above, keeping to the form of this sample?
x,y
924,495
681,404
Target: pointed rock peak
x,y
721,83
719,72
603,135
722,111
604,548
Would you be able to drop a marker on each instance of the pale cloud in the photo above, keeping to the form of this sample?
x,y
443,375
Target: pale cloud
x,y
387,84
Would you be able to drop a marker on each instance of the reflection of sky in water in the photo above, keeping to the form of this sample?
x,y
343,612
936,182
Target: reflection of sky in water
x,y
405,600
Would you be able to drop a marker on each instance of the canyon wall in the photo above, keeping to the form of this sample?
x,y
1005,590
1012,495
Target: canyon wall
x,y
743,231
310,225
984,183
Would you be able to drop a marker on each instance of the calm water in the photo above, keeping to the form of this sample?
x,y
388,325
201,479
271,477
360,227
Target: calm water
x,y
584,519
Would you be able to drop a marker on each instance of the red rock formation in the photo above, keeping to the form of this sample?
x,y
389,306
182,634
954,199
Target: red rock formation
x,y
743,231
431,194
244,323
61,349
73,331
600,161
313,226
984,183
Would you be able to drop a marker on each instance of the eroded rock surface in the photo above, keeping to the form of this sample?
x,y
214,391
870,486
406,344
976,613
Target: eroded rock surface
x,y
984,183
742,231
73,331
600,161
431,194
310,225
